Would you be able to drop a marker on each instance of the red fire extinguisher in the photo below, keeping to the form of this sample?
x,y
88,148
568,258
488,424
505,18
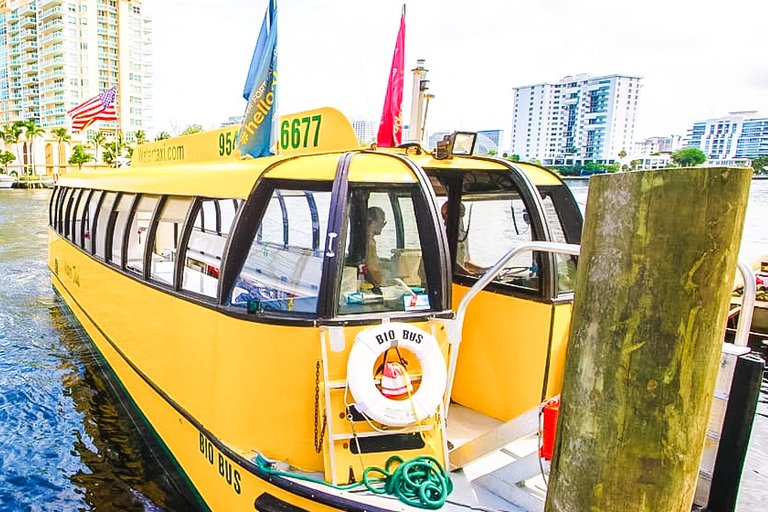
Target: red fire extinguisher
x,y
549,410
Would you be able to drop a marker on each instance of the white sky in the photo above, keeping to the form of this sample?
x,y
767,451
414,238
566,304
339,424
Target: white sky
x,y
697,59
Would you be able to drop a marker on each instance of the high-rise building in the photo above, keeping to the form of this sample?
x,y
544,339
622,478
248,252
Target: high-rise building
x,y
56,54
737,136
576,120
488,142
365,130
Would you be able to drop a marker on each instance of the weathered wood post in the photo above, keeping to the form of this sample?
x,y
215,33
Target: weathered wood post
x,y
658,258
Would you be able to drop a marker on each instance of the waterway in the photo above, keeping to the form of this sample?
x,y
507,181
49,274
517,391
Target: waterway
x,y
66,442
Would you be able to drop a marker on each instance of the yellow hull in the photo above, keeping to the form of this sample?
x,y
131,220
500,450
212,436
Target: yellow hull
x,y
192,402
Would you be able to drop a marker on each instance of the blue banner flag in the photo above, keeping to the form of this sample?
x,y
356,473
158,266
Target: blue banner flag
x,y
258,133
258,52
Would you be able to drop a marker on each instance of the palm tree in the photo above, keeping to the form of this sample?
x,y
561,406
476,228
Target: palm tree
x,y
141,137
62,137
33,130
162,136
99,139
11,134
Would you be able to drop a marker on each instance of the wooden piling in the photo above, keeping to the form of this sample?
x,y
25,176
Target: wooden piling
x,y
658,257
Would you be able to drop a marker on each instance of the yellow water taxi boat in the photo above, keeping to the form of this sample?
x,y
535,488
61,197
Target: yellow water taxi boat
x,y
288,325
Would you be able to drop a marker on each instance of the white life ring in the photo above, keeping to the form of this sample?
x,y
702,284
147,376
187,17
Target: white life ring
x,y
369,345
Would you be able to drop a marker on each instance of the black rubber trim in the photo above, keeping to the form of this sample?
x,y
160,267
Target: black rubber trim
x,y
268,503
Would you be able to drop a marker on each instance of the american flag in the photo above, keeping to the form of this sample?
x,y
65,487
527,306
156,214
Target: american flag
x,y
98,108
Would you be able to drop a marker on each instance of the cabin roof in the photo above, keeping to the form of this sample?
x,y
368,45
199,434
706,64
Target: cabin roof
x,y
236,178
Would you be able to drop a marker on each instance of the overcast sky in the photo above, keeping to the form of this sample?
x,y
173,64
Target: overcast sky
x,y
697,59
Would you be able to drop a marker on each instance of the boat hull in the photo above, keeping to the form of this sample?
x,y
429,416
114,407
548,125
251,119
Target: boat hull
x,y
223,479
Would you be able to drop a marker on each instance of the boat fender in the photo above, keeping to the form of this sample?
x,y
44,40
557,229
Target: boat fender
x,y
369,345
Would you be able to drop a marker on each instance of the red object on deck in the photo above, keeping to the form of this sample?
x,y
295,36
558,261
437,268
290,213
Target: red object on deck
x,y
549,411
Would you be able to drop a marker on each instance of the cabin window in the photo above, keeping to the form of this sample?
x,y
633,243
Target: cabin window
x,y
284,265
202,260
383,269
69,211
102,224
167,236
89,218
566,264
137,235
62,209
493,219
77,221
53,207
120,222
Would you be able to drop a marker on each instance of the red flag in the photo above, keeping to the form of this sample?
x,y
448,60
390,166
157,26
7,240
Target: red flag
x,y
391,126
98,108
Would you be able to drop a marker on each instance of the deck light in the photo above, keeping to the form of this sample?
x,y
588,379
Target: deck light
x,y
458,143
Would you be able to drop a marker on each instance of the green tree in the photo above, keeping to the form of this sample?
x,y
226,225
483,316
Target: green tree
x,y
689,157
759,164
33,130
6,157
11,134
162,136
140,136
192,128
622,154
80,156
117,148
98,141
61,135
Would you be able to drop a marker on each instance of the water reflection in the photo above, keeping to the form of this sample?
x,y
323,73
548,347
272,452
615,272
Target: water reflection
x,y
65,441
119,472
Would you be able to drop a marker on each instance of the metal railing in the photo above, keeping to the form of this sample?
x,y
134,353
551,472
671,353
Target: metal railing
x,y
456,325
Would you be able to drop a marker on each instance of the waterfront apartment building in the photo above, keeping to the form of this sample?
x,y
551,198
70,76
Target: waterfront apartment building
x,y
577,120
365,130
734,138
56,54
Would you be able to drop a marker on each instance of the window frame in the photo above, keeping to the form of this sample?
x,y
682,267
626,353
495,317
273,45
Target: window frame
x,y
244,233
452,180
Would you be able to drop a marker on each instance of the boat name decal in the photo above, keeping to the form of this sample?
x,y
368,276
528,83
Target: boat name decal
x,y
70,271
158,154
226,469
390,336
300,132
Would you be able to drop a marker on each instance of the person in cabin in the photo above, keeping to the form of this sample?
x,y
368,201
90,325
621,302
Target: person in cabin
x,y
462,242
374,270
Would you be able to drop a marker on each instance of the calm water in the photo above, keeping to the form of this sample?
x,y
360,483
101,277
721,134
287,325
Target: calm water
x,y
65,440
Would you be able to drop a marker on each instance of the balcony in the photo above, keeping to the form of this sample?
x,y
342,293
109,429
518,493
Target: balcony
x,y
28,34
54,11
29,57
53,24
53,74
52,37
56,49
44,4
58,86
28,21
56,61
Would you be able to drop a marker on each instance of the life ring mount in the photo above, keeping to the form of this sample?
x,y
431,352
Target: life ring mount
x,y
369,345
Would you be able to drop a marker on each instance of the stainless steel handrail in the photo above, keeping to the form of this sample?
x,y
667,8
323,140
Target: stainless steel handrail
x,y
456,325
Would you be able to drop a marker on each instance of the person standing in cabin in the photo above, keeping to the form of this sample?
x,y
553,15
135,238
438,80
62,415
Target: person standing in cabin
x,y
374,270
